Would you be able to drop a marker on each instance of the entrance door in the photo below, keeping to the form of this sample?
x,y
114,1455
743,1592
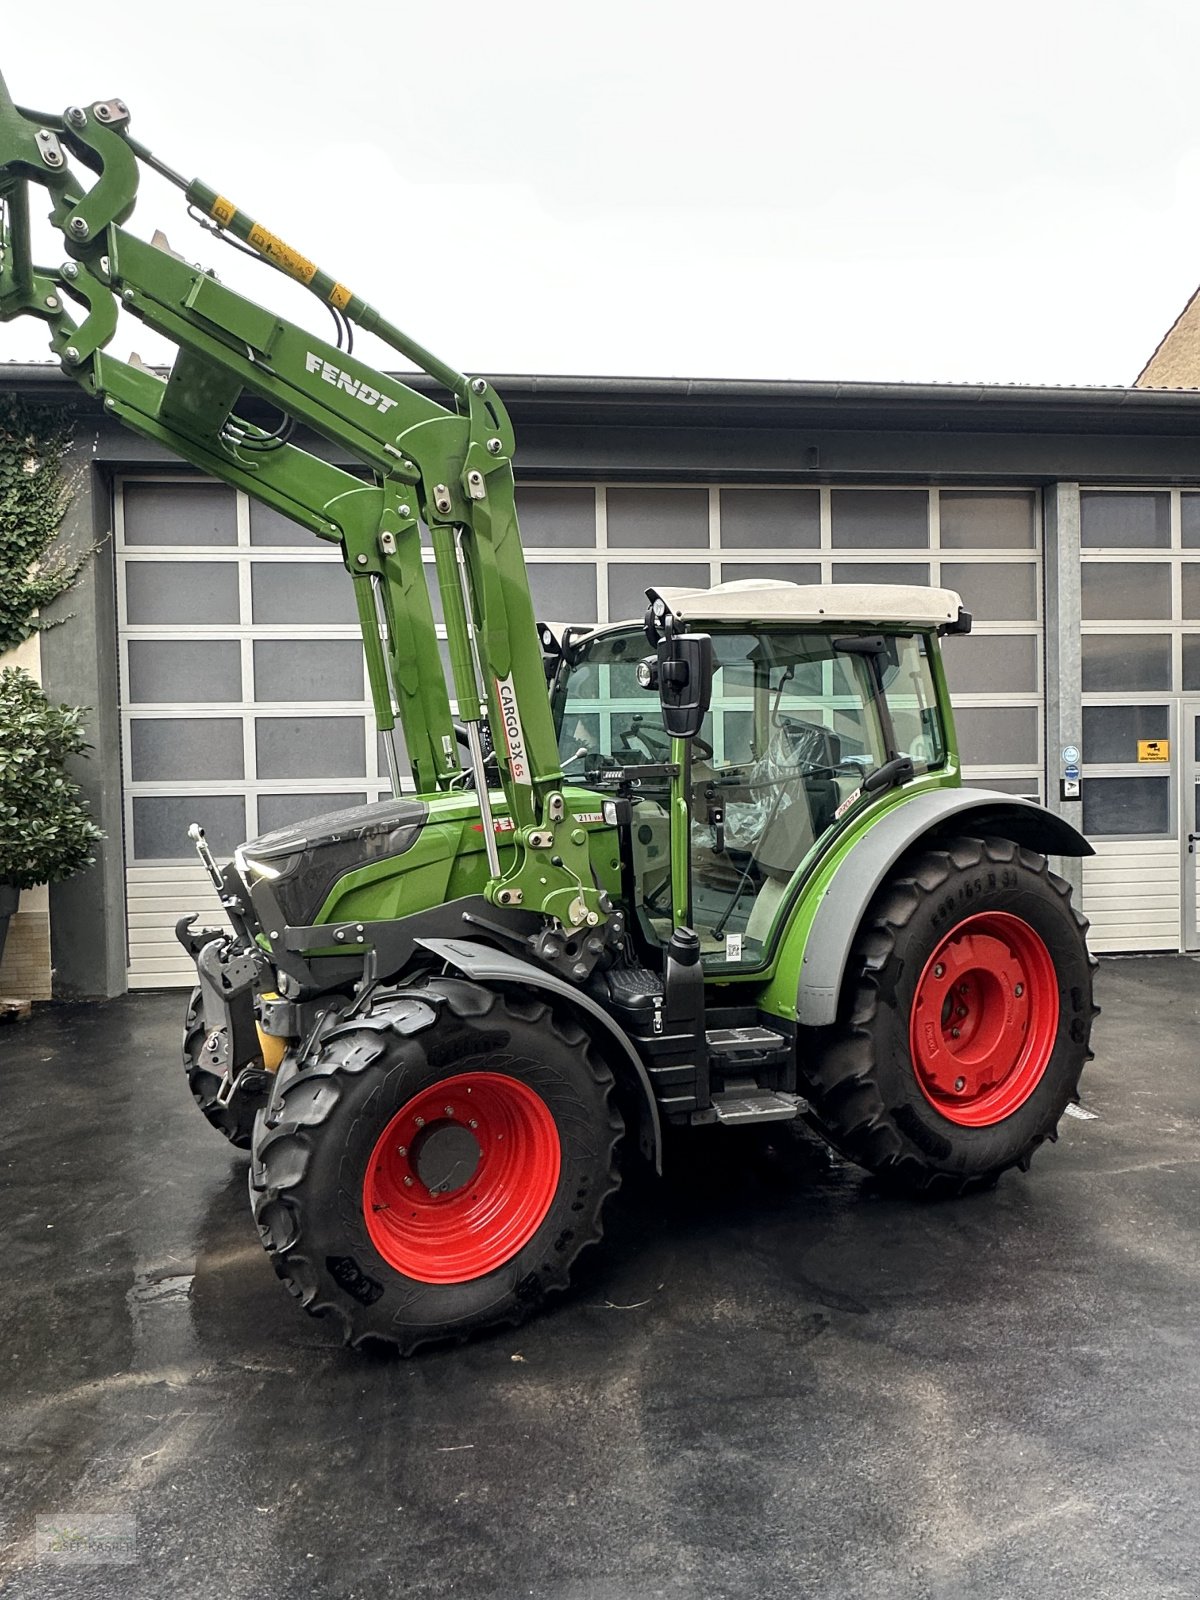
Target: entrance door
x,y
1189,813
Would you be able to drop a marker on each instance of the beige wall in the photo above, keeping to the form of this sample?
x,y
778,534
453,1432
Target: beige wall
x,y
1175,364
25,969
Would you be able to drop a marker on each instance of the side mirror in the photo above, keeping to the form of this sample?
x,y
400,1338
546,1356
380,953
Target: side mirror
x,y
682,671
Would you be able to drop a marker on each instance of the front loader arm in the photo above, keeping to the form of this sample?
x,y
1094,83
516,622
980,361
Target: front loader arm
x,y
449,466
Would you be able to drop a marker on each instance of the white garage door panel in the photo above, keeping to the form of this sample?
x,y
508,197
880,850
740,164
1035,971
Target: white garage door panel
x,y
157,898
1131,895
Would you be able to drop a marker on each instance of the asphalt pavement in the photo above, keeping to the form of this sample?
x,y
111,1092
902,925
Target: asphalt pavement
x,y
771,1380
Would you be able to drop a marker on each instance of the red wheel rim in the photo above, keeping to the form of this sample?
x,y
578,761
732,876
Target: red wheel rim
x,y
461,1178
984,1019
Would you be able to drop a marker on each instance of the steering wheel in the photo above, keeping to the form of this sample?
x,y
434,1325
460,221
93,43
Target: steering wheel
x,y
491,765
657,735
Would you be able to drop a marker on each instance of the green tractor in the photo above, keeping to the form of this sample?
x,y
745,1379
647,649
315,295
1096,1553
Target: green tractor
x,y
714,865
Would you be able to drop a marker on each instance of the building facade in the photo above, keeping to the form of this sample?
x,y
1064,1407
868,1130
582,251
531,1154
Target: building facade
x,y
218,646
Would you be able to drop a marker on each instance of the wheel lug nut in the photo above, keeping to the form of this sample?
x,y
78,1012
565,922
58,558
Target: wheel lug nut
x,y
408,1183
962,1011
1019,990
959,1085
472,1123
939,970
401,1149
420,1121
449,1111
954,1033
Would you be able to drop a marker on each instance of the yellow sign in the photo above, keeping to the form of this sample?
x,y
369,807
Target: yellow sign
x,y
1154,749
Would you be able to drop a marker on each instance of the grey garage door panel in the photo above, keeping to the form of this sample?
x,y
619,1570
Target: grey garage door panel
x,y
654,518
184,593
1127,662
179,514
1001,736
310,747
183,671
163,748
972,521
161,822
879,519
308,669
287,593
763,519
563,591
995,591
992,663
557,517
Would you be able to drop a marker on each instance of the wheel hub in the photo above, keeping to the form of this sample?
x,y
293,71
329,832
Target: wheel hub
x,y
445,1157
984,1019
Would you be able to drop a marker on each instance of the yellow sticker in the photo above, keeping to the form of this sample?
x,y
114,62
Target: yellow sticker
x,y
340,296
282,255
222,211
1154,749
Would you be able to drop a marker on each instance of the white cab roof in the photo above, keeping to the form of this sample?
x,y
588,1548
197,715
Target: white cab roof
x,y
772,600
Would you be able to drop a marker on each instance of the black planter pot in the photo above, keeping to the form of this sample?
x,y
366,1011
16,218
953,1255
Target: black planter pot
x,y
10,897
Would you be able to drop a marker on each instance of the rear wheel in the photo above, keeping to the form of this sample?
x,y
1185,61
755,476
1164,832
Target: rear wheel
x,y
205,1074
965,1019
439,1166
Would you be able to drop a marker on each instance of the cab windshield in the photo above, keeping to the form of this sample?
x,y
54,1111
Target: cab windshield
x,y
795,727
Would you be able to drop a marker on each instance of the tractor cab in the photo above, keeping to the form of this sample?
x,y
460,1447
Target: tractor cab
x,y
822,699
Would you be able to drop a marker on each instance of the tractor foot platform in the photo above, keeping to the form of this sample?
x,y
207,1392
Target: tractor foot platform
x,y
743,1101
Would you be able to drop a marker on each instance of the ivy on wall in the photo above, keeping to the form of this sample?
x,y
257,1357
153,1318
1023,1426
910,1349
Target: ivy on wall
x,y
34,496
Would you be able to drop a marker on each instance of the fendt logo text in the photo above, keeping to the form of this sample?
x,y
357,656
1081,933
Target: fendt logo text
x,y
343,380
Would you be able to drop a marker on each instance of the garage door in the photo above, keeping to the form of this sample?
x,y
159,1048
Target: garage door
x,y
241,663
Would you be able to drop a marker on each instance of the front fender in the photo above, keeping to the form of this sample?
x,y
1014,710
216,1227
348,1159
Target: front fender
x,y
979,811
484,964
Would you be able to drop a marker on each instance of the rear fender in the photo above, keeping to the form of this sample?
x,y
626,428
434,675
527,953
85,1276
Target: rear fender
x,y
485,965
980,812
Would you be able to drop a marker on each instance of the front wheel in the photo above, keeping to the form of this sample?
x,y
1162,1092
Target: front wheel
x,y
439,1166
204,1070
965,1019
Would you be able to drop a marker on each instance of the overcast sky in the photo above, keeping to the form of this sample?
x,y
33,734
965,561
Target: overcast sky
x,y
871,190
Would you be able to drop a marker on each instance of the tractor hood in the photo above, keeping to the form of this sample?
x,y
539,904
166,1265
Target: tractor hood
x,y
302,863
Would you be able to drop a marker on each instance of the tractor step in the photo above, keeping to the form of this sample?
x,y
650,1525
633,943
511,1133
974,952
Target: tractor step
x,y
746,1047
743,1101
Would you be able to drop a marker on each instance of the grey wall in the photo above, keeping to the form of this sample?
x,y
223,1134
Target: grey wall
x,y
79,666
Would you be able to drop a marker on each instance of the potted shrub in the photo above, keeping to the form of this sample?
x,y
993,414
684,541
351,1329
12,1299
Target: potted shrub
x,y
45,830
